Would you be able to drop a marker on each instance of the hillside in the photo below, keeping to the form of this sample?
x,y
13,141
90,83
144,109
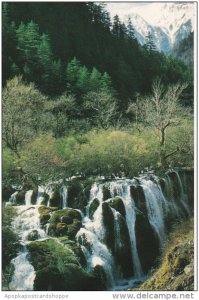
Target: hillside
x,y
176,272
184,50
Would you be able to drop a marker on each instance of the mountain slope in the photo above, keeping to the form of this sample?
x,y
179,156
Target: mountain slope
x,y
184,50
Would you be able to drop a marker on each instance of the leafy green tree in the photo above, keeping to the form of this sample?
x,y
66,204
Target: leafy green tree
x,y
101,108
22,106
62,111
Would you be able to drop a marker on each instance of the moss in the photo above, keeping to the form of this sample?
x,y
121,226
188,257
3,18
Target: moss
x,y
176,271
57,268
93,207
66,212
118,205
69,221
44,212
73,229
76,248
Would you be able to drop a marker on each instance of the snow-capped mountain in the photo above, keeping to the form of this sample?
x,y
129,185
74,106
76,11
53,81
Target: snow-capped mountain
x,y
168,23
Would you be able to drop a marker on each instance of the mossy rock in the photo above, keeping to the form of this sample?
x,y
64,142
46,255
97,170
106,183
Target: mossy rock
x,y
61,229
93,207
33,235
76,197
20,197
57,268
44,213
106,193
66,219
73,229
76,248
70,220
55,199
66,212
118,205
108,220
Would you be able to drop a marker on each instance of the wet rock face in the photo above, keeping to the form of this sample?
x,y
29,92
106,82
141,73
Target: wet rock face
x,y
123,250
147,242
33,235
93,207
106,193
76,196
139,198
20,197
45,214
118,205
108,220
55,199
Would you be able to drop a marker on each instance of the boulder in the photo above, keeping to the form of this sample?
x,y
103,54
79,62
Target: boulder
x,y
55,199
148,245
106,193
118,205
76,197
57,268
93,207
44,213
108,220
33,235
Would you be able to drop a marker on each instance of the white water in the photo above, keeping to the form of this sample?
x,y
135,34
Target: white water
x,y
154,202
24,273
26,221
122,189
64,194
92,236
28,196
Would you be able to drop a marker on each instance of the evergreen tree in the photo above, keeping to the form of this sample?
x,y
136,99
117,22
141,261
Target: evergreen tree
x,y
94,82
130,29
150,46
72,72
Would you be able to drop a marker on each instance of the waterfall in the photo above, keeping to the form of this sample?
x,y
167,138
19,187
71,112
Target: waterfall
x,y
24,273
28,196
12,198
26,222
183,196
122,189
64,194
154,201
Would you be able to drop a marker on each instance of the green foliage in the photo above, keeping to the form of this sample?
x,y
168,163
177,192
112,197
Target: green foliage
x,y
8,163
41,49
22,106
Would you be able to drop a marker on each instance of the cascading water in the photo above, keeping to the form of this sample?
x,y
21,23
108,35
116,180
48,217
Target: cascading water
x,y
160,204
122,189
25,223
64,194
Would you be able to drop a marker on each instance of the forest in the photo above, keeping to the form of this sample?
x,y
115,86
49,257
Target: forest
x,y
82,98
82,85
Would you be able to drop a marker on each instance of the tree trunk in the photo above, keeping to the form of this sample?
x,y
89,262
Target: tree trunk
x,y
163,136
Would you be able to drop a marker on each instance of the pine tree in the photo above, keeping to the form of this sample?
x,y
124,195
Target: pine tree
x,y
130,29
72,72
150,46
94,82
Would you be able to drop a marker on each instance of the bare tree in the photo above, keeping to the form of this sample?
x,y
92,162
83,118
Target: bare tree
x,y
162,109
